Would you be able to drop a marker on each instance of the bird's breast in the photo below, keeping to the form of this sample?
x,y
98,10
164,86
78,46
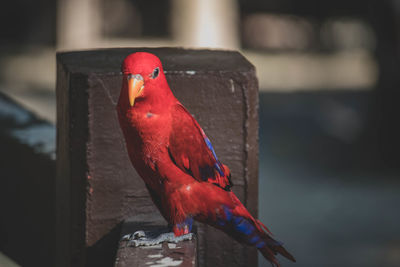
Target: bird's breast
x,y
147,134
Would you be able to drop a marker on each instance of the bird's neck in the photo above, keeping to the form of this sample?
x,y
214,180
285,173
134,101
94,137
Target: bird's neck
x,y
157,103
157,100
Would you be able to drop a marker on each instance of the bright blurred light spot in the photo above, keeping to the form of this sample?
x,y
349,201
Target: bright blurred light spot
x,y
6,261
205,23
36,67
313,71
294,53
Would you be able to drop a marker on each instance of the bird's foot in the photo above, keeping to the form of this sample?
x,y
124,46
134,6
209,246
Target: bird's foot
x,y
141,238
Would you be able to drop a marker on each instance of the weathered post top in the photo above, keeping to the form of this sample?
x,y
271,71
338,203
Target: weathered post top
x,y
97,187
173,59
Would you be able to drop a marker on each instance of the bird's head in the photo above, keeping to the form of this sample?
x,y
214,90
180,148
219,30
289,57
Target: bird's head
x,y
143,80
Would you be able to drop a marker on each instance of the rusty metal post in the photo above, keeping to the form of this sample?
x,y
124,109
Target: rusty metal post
x,y
97,187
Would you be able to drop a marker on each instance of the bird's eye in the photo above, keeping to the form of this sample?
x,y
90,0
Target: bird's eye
x,y
155,73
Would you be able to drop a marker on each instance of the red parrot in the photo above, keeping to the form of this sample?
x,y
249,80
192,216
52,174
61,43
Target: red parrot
x,y
177,162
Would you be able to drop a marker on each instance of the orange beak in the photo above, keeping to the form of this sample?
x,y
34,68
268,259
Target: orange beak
x,y
135,87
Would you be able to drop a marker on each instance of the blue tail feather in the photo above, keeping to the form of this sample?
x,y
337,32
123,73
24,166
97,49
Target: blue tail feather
x,y
260,244
243,226
254,239
247,230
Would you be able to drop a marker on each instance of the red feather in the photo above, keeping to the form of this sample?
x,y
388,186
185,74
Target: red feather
x,y
177,162
189,151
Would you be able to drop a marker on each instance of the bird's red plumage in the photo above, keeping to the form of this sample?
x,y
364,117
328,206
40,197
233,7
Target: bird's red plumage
x,y
189,151
175,159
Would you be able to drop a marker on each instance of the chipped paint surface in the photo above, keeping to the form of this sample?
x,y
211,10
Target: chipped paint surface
x,y
159,246
165,262
171,245
155,256
166,254
232,85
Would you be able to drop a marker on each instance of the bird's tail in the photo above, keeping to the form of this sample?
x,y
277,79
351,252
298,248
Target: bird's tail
x,y
272,247
238,223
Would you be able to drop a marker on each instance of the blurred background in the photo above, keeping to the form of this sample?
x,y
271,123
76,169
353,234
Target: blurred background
x,y
329,91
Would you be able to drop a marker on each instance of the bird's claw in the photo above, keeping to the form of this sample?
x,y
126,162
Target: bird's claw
x,y
135,235
139,238
176,239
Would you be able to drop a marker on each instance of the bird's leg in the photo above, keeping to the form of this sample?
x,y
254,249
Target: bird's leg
x,y
151,238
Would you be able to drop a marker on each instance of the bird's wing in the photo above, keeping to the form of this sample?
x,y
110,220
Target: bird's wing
x,y
192,152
